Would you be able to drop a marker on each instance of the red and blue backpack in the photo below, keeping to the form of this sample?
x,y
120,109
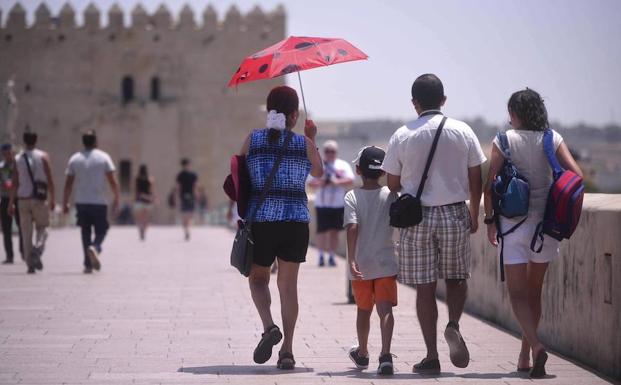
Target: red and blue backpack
x,y
564,203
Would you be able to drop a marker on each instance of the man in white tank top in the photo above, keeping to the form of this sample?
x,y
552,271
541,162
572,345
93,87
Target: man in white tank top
x,y
34,188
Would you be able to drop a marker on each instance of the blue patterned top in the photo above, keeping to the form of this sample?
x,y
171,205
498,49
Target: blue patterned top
x,y
286,200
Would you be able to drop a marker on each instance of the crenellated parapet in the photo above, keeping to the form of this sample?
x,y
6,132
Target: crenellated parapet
x,y
162,19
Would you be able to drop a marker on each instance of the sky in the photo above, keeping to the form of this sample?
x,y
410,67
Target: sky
x,y
483,50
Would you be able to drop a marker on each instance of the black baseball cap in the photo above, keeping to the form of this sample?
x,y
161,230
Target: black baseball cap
x,y
370,161
6,146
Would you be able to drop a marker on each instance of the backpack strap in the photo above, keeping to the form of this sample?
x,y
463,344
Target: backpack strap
x,y
504,145
548,149
538,234
500,238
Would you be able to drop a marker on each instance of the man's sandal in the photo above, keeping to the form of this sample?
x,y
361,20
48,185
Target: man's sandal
x,y
263,351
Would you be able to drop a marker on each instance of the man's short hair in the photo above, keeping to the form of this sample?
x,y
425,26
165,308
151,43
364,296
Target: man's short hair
x,y
428,91
89,138
30,138
185,162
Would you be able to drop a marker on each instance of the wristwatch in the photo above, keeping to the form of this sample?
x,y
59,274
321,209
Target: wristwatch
x,y
488,221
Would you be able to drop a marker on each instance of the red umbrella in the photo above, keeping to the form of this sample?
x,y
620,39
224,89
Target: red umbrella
x,y
295,54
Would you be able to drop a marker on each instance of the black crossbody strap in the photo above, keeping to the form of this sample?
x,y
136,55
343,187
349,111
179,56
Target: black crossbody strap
x,y
270,179
29,171
421,186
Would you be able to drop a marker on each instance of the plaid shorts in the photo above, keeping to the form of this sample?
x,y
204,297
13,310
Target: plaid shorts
x,y
438,247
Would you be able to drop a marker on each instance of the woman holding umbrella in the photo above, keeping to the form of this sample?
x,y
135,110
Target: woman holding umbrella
x,y
280,225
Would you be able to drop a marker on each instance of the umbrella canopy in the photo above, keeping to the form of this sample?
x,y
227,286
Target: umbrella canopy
x,y
295,54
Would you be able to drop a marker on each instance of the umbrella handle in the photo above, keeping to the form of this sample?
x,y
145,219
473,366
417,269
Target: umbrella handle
x,y
303,99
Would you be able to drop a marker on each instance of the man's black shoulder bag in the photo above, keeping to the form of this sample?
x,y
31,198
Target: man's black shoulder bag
x,y
39,188
407,210
243,246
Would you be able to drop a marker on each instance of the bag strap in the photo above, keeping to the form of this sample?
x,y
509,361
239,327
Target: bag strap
x,y
504,145
500,238
548,149
270,179
537,234
32,179
421,186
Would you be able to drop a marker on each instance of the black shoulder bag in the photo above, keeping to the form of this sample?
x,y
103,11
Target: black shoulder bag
x,y
407,210
39,188
243,246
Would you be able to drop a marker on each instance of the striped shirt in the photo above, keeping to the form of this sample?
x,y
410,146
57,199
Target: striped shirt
x,y
286,200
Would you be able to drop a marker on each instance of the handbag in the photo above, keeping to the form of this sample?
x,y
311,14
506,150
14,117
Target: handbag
x,y
407,210
39,188
242,254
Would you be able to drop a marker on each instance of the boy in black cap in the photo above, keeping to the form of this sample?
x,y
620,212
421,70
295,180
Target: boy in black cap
x,y
370,254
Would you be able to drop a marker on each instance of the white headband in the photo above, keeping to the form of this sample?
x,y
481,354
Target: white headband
x,y
276,120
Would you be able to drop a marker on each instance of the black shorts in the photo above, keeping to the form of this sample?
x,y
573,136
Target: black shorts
x,y
187,203
286,240
329,218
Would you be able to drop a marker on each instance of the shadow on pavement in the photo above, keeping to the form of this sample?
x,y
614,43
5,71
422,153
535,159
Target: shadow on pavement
x,y
355,373
228,370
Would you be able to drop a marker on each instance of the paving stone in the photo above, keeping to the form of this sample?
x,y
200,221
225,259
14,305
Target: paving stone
x,y
171,312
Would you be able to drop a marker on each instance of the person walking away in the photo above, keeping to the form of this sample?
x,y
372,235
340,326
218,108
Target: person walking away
x,y
370,254
330,190
439,246
186,191
33,187
7,166
89,170
145,199
525,269
280,223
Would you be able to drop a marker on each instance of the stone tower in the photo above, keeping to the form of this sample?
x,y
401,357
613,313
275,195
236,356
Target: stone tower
x,y
155,90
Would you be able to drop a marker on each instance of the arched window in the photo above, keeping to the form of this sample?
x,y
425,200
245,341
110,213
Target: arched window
x,y
155,88
127,89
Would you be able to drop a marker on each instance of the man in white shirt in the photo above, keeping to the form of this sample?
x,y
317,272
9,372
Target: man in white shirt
x,y
439,246
89,169
338,177
34,189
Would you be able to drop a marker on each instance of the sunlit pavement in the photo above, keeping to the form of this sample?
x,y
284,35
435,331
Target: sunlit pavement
x,y
166,311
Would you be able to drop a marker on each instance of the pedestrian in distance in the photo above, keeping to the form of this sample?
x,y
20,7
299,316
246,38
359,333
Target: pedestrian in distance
x,y
525,269
187,192
279,223
33,192
439,246
7,167
145,199
370,254
89,170
330,189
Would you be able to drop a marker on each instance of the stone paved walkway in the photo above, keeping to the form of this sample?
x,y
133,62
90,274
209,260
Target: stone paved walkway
x,y
173,312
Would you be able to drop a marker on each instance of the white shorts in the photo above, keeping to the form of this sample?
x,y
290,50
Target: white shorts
x,y
517,244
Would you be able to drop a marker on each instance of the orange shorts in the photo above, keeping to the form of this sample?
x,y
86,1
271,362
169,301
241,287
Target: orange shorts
x,y
368,292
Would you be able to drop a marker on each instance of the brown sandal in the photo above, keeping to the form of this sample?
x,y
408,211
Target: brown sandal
x,y
285,361
539,365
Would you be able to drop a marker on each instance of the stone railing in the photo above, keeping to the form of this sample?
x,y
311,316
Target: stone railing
x,y
581,298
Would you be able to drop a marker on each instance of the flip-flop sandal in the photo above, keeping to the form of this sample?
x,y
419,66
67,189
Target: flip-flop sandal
x,y
539,365
285,361
263,351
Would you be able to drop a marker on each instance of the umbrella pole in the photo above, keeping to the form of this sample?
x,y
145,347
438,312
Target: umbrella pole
x,y
303,99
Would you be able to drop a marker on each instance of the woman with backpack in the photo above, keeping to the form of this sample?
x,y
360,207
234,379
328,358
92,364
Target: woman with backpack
x,y
279,215
524,268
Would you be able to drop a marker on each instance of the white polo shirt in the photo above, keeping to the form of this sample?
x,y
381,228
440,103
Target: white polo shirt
x,y
458,149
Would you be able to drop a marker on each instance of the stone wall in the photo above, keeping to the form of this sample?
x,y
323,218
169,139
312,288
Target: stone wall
x,y
581,300
69,77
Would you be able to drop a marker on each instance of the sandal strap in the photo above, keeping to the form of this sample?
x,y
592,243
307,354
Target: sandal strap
x,y
285,356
